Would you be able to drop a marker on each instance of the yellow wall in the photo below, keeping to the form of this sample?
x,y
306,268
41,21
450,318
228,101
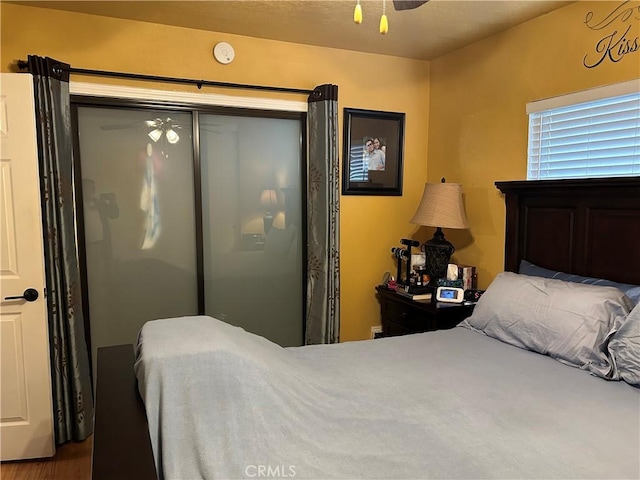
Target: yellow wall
x,y
478,124
369,225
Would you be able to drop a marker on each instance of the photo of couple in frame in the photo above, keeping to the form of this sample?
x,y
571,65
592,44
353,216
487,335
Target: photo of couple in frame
x,y
373,150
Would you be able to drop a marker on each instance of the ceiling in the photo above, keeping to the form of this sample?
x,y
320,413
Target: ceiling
x,y
435,28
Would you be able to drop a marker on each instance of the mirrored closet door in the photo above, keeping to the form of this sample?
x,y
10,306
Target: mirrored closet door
x,y
176,224
251,214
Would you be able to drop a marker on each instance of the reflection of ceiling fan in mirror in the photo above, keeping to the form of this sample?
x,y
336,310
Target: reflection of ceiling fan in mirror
x,y
163,127
157,128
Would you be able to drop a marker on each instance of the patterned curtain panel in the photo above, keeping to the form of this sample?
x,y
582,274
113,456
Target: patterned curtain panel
x,y
72,391
323,224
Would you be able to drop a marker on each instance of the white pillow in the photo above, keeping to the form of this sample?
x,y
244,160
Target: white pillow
x,y
567,321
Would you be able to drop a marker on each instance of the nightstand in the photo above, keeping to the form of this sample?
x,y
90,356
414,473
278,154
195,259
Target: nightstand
x,y
401,315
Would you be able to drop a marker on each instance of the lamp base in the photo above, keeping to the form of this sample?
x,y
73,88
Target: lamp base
x,y
437,253
268,222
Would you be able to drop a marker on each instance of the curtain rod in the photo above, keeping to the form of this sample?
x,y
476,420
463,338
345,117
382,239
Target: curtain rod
x,y
24,65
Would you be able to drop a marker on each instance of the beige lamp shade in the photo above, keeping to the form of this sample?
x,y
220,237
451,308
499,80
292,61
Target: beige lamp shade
x,y
441,206
268,198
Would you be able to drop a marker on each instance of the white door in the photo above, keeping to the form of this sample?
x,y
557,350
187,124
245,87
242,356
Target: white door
x,y
26,418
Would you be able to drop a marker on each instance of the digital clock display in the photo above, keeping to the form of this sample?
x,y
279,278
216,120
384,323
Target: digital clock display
x,y
449,294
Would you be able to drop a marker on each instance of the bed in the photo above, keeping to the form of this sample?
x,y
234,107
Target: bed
x,y
459,403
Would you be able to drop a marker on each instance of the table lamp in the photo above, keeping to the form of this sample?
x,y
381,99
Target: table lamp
x,y
441,207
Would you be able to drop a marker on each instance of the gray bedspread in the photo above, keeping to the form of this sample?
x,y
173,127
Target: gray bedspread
x,y
223,403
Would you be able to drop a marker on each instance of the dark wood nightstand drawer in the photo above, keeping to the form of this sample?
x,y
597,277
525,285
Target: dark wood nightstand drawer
x,y
393,329
402,316
413,320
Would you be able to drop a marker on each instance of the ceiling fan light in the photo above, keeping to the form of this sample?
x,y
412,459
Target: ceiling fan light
x,y
155,134
384,24
172,136
357,13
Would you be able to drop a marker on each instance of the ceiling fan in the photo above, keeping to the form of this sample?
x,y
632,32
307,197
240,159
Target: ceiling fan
x,y
398,5
408,4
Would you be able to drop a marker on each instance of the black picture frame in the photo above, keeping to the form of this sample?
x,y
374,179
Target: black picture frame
x,y
369,170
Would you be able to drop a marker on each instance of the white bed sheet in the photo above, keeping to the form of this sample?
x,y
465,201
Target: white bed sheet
x,y
223,403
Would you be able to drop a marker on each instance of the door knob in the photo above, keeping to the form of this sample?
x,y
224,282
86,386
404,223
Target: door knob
x,y
30,295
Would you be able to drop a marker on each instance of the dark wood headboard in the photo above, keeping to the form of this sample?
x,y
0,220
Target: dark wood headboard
x,y
585,227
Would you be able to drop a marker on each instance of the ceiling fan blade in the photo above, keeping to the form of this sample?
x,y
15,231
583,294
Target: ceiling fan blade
x,y
137,124
122,126
408,4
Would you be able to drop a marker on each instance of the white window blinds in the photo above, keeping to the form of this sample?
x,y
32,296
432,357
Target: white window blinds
x,y
596,138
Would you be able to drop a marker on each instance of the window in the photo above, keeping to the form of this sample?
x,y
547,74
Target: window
x,y
595,133
358,168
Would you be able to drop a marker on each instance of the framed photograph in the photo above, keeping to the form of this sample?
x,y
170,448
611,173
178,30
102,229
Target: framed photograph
x,y
373,147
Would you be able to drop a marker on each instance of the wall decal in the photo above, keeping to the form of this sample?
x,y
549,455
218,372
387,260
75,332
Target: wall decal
x,y
618,41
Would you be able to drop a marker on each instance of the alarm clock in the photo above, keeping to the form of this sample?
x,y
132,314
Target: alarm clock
x,y
450,294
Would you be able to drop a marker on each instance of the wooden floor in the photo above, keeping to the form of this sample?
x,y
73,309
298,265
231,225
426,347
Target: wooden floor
x,y
72,461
